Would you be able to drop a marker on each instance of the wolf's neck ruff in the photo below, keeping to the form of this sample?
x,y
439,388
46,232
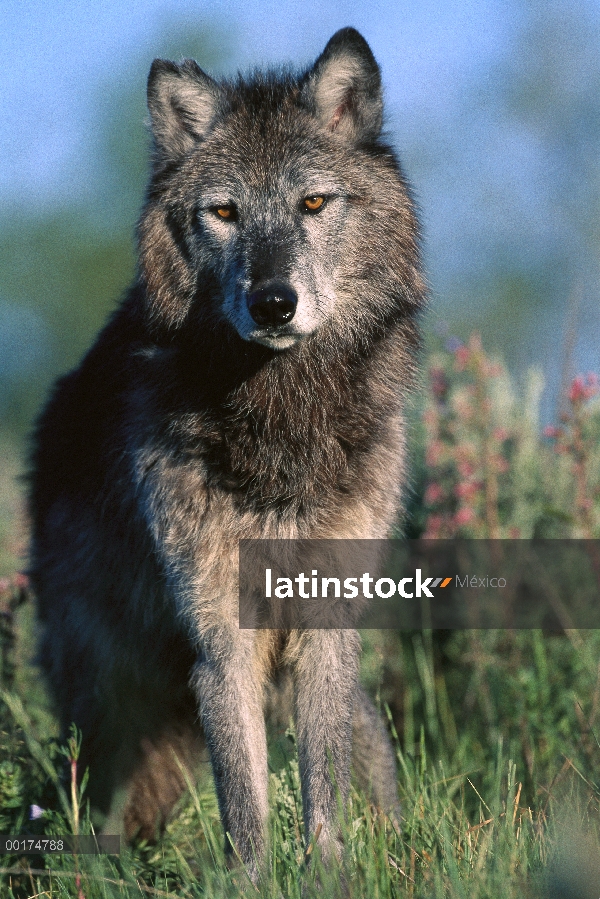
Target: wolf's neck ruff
x,y
282,430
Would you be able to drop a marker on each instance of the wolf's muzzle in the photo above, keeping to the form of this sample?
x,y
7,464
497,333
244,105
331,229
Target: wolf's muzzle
x,y
272,305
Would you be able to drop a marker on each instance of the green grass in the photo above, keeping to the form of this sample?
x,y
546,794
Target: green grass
x,y
497,772
496,732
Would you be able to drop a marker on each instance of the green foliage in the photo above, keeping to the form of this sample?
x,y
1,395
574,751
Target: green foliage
x,y
497,730
470,827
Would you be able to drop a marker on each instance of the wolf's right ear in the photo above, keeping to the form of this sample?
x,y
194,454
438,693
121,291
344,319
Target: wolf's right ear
x,y
344,88
183,101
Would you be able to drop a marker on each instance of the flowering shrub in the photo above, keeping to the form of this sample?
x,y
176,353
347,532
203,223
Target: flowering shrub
x,y
490,471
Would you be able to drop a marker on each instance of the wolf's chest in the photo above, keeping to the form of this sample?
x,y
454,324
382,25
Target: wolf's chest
x,y
277,465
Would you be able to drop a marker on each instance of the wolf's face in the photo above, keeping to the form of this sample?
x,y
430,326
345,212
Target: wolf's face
x,y
272,229
256,187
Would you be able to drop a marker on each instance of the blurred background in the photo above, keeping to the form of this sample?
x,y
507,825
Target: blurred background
x,y
493,105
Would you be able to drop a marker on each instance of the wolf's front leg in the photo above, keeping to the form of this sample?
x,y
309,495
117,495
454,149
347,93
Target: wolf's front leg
x,y
325,672
228,686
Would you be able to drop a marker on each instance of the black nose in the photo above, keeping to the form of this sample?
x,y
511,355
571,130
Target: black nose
x,y
273,304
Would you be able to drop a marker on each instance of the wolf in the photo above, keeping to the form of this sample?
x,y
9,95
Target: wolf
x,y
251,384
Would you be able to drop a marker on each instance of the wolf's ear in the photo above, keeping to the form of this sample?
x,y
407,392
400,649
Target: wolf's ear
x,y
344,87
183,101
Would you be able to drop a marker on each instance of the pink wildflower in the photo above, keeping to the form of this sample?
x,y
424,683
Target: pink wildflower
x,y
467,491
434,494
434,526
21,581
439,382
461,358
551,431
583,387
500,464
463,517
466,469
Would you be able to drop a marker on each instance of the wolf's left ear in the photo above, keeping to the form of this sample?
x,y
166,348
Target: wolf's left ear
x,y
344,87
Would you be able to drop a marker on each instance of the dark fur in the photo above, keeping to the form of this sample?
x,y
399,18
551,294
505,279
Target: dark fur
x,y
179,434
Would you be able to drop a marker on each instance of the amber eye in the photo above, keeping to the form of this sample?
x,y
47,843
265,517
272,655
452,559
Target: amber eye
x,y
313,204
229,213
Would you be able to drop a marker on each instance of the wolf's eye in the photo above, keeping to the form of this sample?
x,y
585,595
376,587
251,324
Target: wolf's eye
x,y
228,213
313,204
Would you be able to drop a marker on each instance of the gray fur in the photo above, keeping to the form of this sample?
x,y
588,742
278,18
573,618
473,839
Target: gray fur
x,y
193,423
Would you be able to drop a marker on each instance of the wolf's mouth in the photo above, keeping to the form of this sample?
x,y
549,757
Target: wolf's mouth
x,y
276,338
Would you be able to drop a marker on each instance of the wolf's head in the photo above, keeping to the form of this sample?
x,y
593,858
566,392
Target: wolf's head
x,y
273,206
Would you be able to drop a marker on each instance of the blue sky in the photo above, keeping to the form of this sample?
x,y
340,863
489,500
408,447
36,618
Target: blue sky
x,y
56,55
